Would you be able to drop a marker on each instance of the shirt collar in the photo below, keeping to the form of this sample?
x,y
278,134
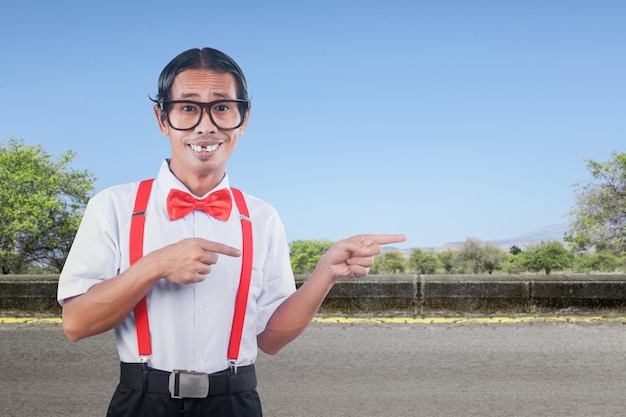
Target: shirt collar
x,y
167,181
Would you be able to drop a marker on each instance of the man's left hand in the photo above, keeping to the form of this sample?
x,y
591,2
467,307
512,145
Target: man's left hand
x,y
353,257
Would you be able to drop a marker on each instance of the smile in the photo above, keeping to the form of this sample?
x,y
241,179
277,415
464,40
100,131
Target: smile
x,y
208,148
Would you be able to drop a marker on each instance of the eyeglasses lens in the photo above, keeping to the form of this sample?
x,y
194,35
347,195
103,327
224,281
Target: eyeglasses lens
x,y
187,115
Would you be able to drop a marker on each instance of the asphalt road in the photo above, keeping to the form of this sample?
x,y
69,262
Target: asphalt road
x,y
477,368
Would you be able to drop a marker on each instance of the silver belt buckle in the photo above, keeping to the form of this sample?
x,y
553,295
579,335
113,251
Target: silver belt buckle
x,y
188,384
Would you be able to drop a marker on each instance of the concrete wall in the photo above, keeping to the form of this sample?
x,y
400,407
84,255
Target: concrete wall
x,y
29,293
406,294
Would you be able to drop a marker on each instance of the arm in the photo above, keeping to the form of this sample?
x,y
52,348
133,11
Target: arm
x,y
347,258
106,304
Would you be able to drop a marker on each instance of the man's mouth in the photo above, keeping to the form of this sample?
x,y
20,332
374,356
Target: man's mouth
x,y
208,148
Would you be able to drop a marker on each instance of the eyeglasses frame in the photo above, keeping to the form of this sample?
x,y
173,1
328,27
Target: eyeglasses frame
x,y
242,104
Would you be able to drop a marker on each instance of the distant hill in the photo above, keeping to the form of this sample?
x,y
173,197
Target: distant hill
x,y
543,234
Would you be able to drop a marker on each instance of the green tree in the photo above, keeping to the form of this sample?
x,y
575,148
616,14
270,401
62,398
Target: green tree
x,y
41,205
471,255
390,262
477,256
547,256
603,261
599,218
514,264
447,260
493,257
305,254
423,262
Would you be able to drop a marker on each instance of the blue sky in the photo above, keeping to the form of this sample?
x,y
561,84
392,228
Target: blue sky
x,y
442,120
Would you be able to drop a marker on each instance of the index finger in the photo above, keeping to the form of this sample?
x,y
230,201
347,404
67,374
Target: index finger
x,y
383,239
216,247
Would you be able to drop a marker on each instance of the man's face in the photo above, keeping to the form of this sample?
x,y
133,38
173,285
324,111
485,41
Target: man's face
x,y
204,150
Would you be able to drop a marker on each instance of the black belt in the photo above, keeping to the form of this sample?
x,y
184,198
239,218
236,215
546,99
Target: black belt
x,y
143,378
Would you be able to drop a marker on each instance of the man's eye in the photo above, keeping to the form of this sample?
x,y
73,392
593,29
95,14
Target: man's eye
x,y
188,108
221,107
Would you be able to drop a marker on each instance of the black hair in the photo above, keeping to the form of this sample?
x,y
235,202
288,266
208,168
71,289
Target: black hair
x,y
205,58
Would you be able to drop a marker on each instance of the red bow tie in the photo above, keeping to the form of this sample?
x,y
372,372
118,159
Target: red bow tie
x,y
217,204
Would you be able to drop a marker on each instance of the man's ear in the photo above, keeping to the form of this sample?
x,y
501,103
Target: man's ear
x,y
244,125
161,120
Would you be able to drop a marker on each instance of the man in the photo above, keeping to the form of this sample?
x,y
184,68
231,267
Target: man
x,y
211,288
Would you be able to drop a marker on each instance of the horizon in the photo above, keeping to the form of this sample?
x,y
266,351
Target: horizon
x,y
552,232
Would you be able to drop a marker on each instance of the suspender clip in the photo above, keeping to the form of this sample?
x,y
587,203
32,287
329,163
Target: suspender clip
x,y
232,365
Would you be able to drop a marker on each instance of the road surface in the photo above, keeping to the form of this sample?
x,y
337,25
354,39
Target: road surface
x,y
483,367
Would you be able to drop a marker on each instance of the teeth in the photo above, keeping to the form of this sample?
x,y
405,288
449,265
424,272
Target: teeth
x,y
210,148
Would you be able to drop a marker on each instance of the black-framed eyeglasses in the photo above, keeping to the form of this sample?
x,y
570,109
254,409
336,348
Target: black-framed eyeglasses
x,y
224,114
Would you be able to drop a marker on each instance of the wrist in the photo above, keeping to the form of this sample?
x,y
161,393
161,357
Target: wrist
x,y
324,271
150,268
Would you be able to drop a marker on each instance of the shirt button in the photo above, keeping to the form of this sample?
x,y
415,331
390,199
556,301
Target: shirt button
x,y
200,309
201,361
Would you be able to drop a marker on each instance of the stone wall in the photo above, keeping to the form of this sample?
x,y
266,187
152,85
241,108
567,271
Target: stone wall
x,y
406,294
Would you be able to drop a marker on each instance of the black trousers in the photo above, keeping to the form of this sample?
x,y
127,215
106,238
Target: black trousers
x,y
127,402
133,402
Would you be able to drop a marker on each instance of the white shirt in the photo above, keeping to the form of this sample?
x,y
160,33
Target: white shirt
x,y
189,324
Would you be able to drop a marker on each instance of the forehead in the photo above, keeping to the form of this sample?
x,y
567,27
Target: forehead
x,y
203,84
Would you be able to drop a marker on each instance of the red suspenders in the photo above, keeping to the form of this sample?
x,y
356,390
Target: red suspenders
x,y
244,280
137,223
136,252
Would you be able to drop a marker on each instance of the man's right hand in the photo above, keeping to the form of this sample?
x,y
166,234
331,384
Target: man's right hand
x,y
189,260
106,304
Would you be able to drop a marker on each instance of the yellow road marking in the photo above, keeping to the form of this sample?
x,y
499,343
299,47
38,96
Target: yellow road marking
x,y
29,320
399,320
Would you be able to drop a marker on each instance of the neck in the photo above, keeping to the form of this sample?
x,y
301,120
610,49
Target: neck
x,y
198,184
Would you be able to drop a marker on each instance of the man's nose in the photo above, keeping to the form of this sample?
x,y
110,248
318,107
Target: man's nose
x,y
206,124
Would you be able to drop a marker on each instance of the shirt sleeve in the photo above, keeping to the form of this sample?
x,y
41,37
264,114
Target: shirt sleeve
x,y
95,253
278,279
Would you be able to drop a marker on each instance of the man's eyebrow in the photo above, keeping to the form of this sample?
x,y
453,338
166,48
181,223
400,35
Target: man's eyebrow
x,y
190,95
197,96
